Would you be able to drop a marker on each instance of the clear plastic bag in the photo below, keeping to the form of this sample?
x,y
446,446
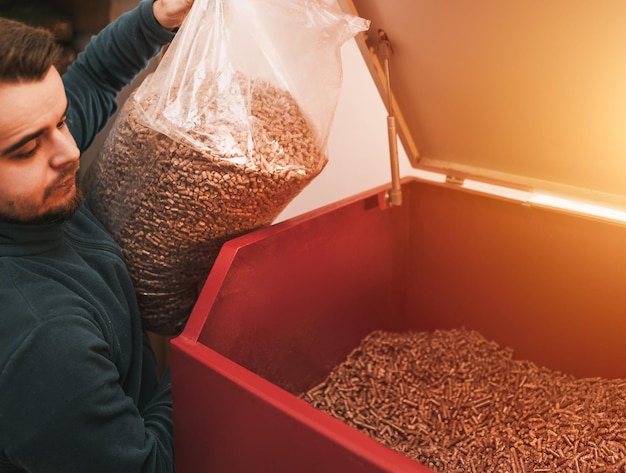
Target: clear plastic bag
x,y
230,127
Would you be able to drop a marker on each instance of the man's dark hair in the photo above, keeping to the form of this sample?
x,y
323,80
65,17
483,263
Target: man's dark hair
x,y
26,53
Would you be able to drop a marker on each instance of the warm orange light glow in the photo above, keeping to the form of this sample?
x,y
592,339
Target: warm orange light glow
x,y
546,200
580,207
530,197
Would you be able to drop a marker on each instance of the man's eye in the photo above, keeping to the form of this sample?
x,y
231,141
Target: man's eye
x,y
27,152
62,123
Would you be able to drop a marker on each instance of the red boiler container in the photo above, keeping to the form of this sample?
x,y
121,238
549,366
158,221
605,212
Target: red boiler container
x,y
514,105
286,304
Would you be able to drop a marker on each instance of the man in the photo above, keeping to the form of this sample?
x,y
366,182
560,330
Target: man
x,y
78,384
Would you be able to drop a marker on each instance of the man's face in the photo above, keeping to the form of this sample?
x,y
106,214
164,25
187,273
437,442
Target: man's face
x,y
38,156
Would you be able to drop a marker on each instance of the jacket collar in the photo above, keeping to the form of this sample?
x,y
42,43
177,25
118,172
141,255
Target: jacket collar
x,y
19,239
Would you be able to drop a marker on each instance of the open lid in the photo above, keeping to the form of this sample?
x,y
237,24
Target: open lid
x,y
532,93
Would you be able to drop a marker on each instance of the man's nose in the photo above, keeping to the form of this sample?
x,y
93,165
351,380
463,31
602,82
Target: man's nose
x,y
64,149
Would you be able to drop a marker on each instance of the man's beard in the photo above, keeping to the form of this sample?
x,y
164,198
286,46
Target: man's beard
x,y
54,215
62,214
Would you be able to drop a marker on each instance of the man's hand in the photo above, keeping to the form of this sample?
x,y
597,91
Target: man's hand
x,y
171,13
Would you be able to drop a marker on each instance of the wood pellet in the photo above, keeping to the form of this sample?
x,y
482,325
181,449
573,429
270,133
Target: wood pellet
x,y
457,402
171,204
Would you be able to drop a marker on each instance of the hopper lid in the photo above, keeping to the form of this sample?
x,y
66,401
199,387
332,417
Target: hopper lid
x,y
529,93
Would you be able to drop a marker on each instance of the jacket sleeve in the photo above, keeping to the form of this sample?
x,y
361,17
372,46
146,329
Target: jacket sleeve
x,y
111,60
72,415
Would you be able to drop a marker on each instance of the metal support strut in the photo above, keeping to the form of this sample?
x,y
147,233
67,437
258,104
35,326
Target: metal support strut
x,y
394,195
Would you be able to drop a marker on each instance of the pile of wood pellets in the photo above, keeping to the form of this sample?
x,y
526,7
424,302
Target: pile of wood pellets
x,y
457,402
171,204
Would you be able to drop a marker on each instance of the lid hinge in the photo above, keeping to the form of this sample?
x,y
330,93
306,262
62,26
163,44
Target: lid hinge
x,y
394,195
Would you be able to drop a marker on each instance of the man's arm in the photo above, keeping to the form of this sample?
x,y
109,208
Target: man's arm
x,y
111,60
62,397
